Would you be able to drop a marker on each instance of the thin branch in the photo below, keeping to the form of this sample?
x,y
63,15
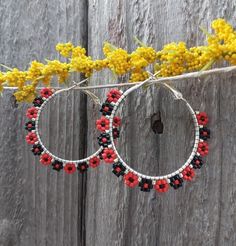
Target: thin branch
x,y
198,74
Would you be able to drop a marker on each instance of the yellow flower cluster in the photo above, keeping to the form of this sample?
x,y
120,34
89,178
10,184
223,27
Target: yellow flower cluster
x,y
26,94
176,58
121,62
226,40
15,76
173,59
55,68
2,80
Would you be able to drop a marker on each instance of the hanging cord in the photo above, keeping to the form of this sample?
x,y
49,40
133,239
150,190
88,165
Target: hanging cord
x,y
176,94
152,80
87,92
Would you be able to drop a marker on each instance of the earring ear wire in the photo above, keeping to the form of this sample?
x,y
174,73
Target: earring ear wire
x,y
176,94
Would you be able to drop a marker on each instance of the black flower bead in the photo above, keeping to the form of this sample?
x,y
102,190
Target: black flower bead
x,y
197,162
116,133
57,165
30,125
176,181
204,133
104,140
82,167
38,101
145,185
106,108
37,149
118,169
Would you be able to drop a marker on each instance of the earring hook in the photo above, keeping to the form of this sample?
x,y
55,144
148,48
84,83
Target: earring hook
x,y
177,95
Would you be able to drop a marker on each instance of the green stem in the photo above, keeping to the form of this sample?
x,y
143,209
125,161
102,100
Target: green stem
x,y
208,65
139,42
204,30
113,47
8,68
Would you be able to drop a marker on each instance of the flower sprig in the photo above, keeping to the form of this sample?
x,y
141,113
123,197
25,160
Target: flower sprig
x,y
173,59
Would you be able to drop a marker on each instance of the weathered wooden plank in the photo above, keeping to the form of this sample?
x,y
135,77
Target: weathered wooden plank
x,y
39,206
197,214
227,107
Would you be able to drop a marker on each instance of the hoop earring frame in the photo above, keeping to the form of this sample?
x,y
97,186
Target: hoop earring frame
x,y
34,138
185,172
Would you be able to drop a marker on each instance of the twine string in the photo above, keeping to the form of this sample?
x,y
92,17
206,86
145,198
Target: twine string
x,y
175,93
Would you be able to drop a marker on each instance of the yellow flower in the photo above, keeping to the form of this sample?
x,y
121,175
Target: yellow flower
x,y
15,78
148,53
137,62
55,68
138,75
222,42
82,65
35,70
118,61
65,49
223,30
26,94
78,51
100,64
230,52
2,80
173,59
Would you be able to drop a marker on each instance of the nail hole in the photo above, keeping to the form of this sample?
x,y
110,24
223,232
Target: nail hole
x,y
13,101
156,123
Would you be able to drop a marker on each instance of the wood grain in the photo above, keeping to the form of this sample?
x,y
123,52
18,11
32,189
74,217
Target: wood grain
x,y
192,215
40,207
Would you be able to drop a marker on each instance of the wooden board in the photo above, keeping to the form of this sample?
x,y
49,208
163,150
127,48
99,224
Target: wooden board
x,y
44,207
40,207
202,212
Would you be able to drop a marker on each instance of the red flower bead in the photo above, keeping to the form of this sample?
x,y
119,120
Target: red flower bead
x,y
113,95
46,92
94,162
32,112
31,138
203,148
131,179
109,155
202,118
70,168
102,124
116,121
161,185
188,173
46,159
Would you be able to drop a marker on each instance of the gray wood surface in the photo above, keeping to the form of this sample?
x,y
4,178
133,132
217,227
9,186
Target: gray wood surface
x,y
41,207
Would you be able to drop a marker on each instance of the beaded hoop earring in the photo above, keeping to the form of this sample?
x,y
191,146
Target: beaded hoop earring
x,y
33,137
175,179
